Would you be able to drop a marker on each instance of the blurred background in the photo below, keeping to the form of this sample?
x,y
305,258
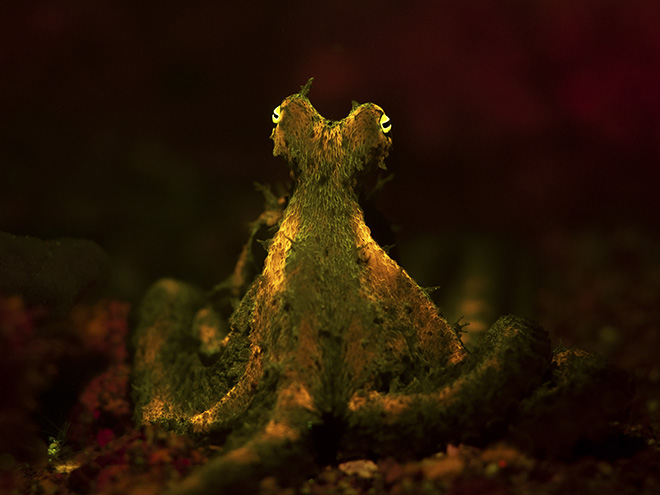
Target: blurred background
x,y
143,126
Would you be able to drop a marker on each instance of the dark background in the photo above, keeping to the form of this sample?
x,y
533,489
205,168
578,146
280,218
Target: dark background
x,y
143,126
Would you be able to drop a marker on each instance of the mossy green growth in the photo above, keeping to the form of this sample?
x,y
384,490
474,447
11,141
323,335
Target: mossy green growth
x,y
333,349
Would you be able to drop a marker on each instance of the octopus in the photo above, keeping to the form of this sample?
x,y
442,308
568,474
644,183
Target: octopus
x,y
331,351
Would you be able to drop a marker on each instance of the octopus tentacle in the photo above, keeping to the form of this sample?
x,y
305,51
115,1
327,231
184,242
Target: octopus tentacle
x,y
515,359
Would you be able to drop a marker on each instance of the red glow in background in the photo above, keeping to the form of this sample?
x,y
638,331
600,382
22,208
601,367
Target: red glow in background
x,y
144,127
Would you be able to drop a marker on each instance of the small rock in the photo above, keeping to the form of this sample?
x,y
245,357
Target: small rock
x,y
362,468
52,274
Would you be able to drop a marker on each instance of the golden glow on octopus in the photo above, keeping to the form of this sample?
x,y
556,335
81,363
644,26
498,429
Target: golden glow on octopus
x,y
274,267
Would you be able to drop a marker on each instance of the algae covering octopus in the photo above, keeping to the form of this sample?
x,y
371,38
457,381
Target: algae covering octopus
x,y
332,352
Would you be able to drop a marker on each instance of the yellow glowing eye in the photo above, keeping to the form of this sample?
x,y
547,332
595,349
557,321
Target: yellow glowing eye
x,y
385,124
277,115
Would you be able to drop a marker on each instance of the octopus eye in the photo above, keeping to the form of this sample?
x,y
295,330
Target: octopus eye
x,y
277,115
385,124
